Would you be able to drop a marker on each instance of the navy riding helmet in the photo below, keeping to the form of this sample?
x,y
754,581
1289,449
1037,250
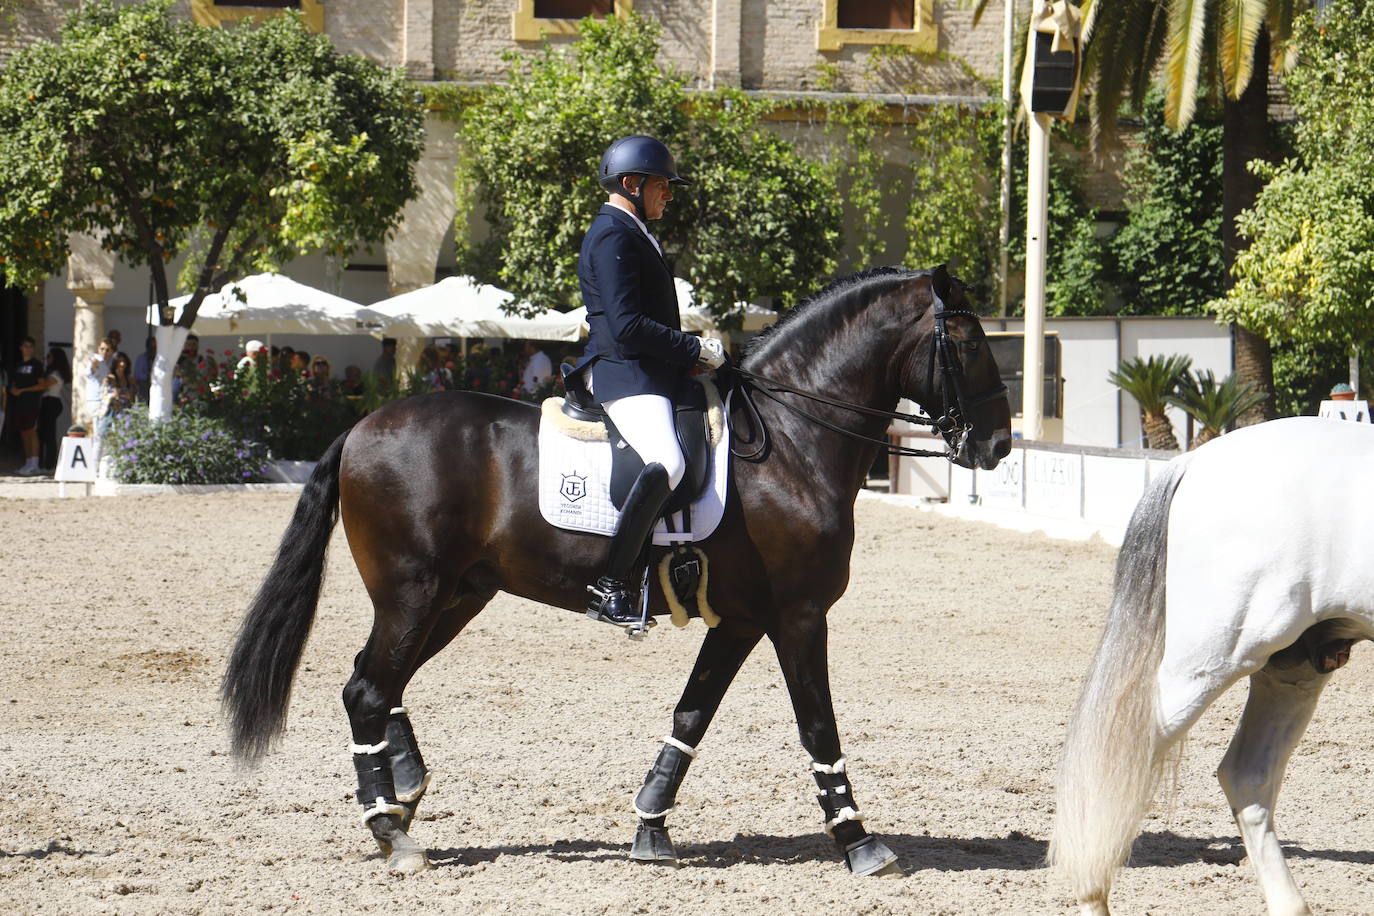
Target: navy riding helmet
x,y
636,155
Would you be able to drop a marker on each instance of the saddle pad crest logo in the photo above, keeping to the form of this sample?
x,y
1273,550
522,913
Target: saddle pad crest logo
x,y
574,486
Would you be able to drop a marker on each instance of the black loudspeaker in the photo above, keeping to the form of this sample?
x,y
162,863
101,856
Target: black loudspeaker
x,y
1054,76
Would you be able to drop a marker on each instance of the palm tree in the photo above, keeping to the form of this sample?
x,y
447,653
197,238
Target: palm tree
x,y
1213,406
1225,47
1151,382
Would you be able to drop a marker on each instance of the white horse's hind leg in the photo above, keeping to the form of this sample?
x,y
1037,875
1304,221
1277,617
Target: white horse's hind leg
x,y
1276,715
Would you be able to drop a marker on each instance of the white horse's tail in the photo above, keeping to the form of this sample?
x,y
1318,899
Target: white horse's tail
x,y
1112,757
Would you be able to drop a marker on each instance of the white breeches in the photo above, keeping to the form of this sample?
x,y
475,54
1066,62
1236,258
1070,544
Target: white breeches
x,y
646,422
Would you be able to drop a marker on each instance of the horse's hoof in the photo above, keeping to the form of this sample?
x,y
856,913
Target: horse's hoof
x,y
868,856
407,862
652,845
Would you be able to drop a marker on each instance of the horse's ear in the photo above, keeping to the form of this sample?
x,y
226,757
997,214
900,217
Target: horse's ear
x,y
939,281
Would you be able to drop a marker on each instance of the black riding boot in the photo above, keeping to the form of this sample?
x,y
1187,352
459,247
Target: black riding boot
x,y
615,595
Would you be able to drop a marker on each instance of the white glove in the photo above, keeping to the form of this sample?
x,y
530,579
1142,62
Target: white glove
x,y
712,354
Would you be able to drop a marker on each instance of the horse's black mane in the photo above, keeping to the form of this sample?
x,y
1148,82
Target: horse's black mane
x,y
841,287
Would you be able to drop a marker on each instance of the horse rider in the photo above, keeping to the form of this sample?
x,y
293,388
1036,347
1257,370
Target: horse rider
x,y
637,352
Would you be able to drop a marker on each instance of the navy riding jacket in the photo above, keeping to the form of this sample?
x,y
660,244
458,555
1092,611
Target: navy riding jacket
x,y
637,345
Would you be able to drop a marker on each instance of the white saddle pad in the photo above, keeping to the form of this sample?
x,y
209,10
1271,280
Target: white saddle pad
x,y
575,483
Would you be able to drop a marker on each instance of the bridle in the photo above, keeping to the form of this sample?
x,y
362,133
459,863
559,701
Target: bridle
x,y
954,425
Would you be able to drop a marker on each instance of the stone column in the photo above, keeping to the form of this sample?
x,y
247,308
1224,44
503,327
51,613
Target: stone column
x,y
412,252
90,276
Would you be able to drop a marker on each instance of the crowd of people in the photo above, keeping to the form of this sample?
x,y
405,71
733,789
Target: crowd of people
x,y
37,392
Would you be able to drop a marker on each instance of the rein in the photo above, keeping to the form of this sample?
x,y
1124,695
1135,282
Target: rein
x,y
953,424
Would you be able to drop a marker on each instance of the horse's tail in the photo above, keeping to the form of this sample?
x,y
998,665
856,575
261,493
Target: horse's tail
x,y
257,683
1113,758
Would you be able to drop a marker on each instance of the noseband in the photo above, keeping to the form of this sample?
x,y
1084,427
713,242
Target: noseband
x,y
953,425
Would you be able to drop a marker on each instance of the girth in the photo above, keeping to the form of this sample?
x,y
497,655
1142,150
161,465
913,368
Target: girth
x,y
693,436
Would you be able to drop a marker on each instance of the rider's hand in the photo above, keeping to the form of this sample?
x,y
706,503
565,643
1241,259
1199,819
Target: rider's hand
x,y
712,354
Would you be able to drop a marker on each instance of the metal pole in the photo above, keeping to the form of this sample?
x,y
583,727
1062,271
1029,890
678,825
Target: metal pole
x,y
1355,370
1008,111
1033,361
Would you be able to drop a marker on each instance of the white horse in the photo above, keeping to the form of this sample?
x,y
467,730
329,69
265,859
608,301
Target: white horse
x,y
1253,556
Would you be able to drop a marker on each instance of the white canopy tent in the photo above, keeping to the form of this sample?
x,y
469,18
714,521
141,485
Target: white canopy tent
x,y
697,317
462,307
267,304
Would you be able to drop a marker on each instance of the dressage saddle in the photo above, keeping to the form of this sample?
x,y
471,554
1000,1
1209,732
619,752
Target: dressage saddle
x,y
689,417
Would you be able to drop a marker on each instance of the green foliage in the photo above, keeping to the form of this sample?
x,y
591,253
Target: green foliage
x,y
953,212
758,220
1151,381
239,147
853,127
1215,406
266,405
180,449
530,150
1308,270
1305,371
1169,255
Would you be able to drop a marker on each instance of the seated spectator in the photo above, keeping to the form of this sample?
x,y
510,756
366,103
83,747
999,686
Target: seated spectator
x,y
254,354
119,390
352,384
437,376
478,372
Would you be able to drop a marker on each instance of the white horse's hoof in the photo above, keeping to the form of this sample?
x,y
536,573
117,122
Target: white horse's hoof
x,y
1094,908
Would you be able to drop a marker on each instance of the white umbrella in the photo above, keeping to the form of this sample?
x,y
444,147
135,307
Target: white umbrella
x,y
266,304
462,307
698,317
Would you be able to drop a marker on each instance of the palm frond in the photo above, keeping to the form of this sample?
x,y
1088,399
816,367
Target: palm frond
x,y
1151,381
1187,27
1116,58
1214,405
1239,24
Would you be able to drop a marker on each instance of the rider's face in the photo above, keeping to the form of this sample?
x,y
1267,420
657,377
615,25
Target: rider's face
x,y
657,192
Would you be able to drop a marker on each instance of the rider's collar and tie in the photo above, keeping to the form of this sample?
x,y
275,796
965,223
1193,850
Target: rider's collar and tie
x,y
642,228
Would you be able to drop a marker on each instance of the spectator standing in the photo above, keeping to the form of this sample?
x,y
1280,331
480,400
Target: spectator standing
x,y
385,366
299,364
57,389
538,368
143,369
26,388
116,339
96,370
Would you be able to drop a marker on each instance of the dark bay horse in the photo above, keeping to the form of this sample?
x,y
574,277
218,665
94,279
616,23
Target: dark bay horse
x,y
439,506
